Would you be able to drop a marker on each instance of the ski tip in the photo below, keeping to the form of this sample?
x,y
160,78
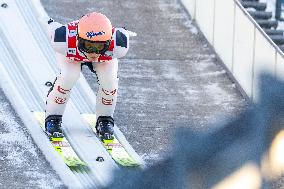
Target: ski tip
x,y
79,168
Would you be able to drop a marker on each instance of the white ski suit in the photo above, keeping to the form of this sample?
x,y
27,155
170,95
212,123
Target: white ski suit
x,y
69,58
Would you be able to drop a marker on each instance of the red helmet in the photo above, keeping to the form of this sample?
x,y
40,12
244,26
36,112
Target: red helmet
x,y
94,33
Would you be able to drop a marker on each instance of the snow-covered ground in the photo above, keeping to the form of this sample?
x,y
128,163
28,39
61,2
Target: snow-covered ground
x,y
22,165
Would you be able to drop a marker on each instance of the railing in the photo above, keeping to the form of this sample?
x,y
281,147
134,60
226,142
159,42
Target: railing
x,y
239,41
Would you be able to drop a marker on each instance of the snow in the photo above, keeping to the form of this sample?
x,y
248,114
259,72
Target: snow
x,y
166,7
153,156
18,150
23,155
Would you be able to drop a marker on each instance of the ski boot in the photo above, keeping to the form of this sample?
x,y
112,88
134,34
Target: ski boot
x,y
104,127
53,126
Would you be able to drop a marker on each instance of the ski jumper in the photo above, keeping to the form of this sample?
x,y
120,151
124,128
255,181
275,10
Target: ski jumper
x,y
64,41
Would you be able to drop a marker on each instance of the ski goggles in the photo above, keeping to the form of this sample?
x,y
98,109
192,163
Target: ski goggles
x,y
98,47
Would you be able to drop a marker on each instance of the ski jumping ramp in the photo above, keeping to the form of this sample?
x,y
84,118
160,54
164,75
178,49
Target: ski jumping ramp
x,y
27,62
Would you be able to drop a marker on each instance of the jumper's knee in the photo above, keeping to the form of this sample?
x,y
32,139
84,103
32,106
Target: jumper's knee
x,y
68,80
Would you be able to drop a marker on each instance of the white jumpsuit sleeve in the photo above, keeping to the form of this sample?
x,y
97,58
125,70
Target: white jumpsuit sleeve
x,y
56,33
121,46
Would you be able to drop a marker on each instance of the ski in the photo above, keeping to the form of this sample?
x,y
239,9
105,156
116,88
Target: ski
x,y
113,146
62,147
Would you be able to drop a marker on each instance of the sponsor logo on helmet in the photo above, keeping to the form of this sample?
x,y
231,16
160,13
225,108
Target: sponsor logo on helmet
x,y
92,34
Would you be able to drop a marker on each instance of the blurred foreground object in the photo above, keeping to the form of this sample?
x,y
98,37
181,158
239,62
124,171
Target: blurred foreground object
x,y
245,153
